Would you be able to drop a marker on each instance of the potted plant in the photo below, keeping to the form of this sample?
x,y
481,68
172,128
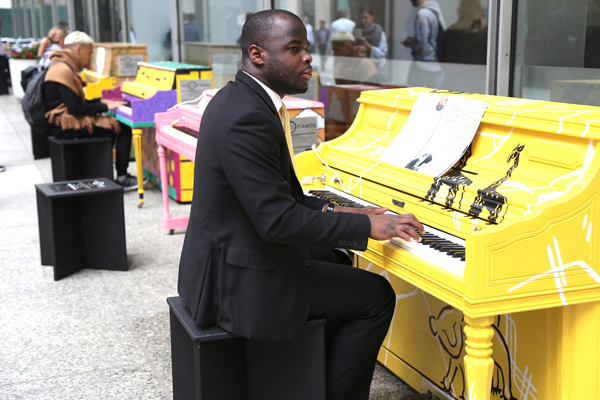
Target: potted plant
x,y
26,53
19,60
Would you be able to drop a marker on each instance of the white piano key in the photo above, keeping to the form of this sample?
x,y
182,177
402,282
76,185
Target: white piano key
x,y
438,258
124,110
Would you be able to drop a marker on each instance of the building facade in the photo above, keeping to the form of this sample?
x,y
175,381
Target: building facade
x,y
538,49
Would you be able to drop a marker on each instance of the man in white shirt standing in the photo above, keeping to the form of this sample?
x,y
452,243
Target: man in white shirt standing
x,y
310,35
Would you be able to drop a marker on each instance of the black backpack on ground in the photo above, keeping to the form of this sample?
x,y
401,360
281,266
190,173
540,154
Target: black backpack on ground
x,y
34,102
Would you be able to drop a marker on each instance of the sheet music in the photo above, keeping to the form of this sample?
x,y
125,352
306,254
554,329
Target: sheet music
x,y
436,134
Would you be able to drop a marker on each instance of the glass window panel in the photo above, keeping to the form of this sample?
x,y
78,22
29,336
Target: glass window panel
x,y
384,37
7,27
80,11
35,19
151,24
47,17
556,56
106,19
27,23
63,11
218,25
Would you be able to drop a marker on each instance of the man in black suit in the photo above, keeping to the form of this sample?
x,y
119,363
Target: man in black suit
x,y
246,262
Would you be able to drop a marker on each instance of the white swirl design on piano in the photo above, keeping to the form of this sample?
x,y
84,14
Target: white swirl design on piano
x,y
497,146
336,177
557,269
561,119
456,218
587,126
577,174
471,396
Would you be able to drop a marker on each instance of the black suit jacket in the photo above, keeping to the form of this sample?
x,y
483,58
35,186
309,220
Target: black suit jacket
x,y
247,246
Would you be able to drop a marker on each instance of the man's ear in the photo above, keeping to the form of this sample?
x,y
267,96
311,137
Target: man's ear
x,y
257,54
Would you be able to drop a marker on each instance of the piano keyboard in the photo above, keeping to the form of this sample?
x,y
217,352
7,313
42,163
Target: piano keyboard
x,y
187,130
438,247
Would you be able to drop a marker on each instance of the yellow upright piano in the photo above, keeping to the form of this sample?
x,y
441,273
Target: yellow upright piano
x,y
506,304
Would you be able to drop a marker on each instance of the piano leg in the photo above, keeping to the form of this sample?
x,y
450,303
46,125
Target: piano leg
x,y
164,180
170,223
478,361
137,147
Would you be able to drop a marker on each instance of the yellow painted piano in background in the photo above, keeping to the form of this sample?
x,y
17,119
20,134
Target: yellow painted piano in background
x,y
517,266
96,83
158,87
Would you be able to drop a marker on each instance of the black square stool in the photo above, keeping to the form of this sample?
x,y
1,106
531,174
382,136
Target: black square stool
x,y
81,158
211,364
82,225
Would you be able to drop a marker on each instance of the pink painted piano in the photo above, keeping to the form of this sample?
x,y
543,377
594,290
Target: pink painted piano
x,y
177,131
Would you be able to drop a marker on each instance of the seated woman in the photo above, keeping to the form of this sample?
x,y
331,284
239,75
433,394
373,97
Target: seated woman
x,y
73,117
54,41
465,41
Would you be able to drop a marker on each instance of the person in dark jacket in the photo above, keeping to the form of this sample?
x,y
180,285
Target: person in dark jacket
x,y
249,261
71,116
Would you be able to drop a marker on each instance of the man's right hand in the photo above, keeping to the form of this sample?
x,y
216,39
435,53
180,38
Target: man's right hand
x,y
387,226
409,41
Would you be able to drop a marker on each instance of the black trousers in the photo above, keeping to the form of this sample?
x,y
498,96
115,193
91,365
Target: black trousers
x,y
122,141
359,306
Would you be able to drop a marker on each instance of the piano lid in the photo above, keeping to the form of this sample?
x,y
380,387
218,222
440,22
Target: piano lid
x,y
526,154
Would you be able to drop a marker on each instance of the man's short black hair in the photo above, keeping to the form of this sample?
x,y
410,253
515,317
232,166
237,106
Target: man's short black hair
x,y
258,28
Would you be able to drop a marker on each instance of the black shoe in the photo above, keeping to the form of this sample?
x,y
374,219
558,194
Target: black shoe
x,y
129,182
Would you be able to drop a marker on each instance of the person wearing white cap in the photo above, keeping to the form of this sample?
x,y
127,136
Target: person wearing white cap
x,y
71,116
351,65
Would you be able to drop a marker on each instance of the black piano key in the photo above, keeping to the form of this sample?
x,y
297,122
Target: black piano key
x,y
456,253
336,199
439,244
187,130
